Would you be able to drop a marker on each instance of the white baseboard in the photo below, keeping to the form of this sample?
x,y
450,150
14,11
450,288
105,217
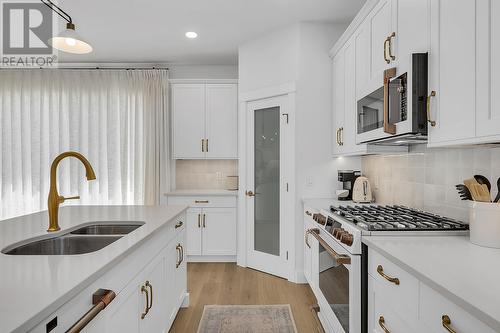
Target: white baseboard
x,y
211,258
185,301
300,278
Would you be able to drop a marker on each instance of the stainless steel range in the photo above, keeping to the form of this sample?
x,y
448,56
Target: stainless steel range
x,y
343,259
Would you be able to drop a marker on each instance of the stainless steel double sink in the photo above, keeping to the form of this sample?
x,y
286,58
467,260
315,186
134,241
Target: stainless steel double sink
x,y
86,239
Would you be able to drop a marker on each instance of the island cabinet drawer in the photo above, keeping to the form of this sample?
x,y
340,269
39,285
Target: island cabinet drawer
x,y
382,316
203,201
436,311
395,285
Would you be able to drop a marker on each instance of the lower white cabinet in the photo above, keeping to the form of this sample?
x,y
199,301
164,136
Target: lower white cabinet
x,y
211,232
399,302
150,286
211,227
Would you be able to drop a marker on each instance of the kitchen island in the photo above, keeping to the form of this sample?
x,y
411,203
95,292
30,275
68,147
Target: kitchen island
x,y
43,291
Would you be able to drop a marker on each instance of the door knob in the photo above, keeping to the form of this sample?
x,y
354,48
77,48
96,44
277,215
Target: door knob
x,y
250,194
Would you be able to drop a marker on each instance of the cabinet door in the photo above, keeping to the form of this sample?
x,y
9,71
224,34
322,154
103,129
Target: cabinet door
x,y
181,271
219,231
155,282
380,29
188,120
362,46
338,96
488,68
173,256
452,70
410,21
222,120
348,134
122,314
193,230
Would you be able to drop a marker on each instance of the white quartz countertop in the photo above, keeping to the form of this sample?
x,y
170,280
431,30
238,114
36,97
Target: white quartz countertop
x,y
202,192
32,287
467,274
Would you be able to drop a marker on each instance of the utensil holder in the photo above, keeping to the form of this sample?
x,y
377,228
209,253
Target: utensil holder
x,y
484,224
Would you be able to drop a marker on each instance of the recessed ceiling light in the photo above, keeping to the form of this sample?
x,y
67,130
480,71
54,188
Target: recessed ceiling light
x,y
191,34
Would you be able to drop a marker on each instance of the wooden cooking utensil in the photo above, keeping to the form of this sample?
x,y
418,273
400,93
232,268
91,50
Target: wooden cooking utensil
x,y
480,192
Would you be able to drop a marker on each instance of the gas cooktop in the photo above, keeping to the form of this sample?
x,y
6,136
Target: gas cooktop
x,y
395,218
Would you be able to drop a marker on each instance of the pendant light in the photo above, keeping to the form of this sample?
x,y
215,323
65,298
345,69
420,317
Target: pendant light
x,y
67,40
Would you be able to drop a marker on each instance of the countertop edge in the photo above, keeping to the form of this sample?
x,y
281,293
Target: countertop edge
x,y
482,316
47,311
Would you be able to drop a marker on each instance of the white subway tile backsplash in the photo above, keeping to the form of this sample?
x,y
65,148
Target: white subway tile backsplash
x,y
426,178
205,174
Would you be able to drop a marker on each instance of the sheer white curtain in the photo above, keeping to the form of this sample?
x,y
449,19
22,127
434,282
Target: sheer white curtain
x,y
118,119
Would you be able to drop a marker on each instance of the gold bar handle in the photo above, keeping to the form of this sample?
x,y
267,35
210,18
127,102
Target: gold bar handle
x,y
178,263
339,258
100,299
447,324
306,238
179,224
206,143
202,145
204,220
389,127
182,254
390,46
381,322
308,213
341,136
386,42
150,286
337,137
380,270
432,122
199,220
201,201
146,310
315,309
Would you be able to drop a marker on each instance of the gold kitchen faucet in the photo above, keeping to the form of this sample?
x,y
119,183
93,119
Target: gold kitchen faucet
x,y
55,199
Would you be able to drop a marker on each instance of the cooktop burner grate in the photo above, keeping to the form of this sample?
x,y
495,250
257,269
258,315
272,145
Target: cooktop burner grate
x,y
397,218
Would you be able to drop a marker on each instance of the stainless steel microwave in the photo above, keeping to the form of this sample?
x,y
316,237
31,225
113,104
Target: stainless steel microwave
x,y
396,113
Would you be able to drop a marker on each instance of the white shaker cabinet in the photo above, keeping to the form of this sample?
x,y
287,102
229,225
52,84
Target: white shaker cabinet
x,y
188,120
488,69
452,70
211,227
221,121
204,120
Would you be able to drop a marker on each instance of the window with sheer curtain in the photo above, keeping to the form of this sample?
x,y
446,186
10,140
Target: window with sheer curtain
x,y
116,118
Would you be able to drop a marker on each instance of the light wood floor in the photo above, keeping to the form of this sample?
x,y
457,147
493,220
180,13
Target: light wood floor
x,y
227,283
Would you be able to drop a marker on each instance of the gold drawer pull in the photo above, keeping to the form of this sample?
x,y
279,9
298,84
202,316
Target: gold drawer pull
x,y
447,324
432,122
150,286
179,224
146,310
381,322
201,201
307,238
309,213
390,46
380,270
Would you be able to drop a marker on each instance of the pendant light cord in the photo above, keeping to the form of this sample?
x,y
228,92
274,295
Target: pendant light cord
x,y
58,10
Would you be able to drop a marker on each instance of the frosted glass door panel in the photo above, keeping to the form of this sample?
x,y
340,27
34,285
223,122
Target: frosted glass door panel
x,y
267,181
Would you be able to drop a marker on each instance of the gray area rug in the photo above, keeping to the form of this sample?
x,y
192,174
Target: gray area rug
x,y
247,319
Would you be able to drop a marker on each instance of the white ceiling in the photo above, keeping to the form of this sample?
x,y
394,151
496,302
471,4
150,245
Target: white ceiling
x,y
153,30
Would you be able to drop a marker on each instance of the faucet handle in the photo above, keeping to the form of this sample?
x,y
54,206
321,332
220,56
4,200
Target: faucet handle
x,y
62,199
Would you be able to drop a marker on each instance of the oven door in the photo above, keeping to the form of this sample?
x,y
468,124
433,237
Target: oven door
x,y
339,285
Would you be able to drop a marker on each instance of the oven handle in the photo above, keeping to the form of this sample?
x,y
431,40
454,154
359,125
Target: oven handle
x,y
339,258
389,127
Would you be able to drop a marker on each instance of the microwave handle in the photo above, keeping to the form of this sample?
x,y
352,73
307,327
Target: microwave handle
x,y
389,127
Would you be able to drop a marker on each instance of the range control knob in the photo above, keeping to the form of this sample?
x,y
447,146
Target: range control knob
x,y
347,239
337,232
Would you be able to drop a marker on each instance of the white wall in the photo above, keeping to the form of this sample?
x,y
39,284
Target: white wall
x,y
299,54
270,60
203,71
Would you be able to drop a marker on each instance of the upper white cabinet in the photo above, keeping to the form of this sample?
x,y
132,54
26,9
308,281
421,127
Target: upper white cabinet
x,y
452,70
488,69
464,68
204,120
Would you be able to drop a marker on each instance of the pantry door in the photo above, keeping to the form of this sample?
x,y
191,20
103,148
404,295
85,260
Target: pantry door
x,y
267,187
